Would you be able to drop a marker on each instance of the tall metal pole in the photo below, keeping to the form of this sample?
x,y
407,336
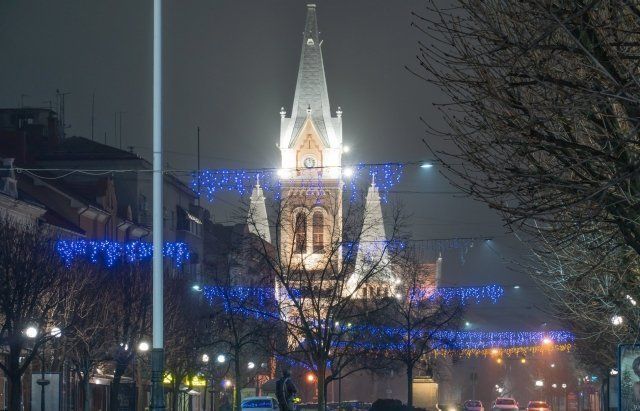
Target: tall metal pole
x,y
198,158
157,352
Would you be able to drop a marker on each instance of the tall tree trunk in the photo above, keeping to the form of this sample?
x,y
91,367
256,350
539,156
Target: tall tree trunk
x,y
175,393
15,379
236,392
114,403
86,392
322,393
409,384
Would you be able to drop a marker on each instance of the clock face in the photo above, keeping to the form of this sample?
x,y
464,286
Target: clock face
x,y
309,162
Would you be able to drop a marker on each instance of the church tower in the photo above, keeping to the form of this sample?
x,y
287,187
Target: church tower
x,y
311,151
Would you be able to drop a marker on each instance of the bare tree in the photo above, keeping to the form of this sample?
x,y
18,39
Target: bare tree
x,y
410,327
321,270
183,326
35,290
543,116
129,305
88,340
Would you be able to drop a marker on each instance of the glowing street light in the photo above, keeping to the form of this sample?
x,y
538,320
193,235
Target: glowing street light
x,y
495,351
221,358
499,360
523,360
31,332
205,358
310,377
547,341
56,332
613,371
539,383
616,320
227,383
346,149
143,346
196,287
553,365
554,385
564,386
251,365
426,165
347,172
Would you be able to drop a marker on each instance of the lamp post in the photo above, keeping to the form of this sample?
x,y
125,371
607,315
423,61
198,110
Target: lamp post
x,y
157,353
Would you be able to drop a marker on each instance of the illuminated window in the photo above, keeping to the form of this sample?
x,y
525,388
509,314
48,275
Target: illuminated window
x,y
300,234
318,232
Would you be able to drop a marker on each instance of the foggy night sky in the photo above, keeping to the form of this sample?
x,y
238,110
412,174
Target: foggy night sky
x,y
228,67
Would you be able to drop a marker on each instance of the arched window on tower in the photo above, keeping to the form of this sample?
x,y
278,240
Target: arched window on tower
x,y
318,232
300,234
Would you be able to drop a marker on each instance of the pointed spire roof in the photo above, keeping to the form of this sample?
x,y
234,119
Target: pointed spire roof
x,y
373,224
311,98
257,219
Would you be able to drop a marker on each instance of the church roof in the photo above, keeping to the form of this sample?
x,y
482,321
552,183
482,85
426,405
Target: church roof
x,y
311,97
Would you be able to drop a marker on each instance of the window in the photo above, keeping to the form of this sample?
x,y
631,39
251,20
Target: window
x,y
318,232
300,234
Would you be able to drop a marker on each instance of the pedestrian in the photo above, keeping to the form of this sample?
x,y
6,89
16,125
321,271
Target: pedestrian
x,y
285,391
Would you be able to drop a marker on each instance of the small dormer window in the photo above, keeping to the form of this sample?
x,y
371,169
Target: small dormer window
x,y
310,42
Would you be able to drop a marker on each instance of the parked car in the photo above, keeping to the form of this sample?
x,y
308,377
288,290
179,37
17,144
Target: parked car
x,y
504,404
259,404
473,405
448,407
538,406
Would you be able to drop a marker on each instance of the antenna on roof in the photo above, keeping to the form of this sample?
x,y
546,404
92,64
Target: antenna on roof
x,y
93,103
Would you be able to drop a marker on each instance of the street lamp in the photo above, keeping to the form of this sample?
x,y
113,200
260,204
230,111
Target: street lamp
x,y
143,346
205,358
310,377
251,365
31,332
56,332
613,371
426,165
616,320
539,383
227,383
564,386
221,358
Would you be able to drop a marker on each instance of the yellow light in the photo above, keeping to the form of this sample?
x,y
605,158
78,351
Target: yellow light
x,y
523,360
495,351
311,377
499,360
195,381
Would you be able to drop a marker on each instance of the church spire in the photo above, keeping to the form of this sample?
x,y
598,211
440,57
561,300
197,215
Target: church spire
x,y
257,219
311,96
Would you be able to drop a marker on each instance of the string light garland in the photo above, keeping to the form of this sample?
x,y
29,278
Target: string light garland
x,y
463,295
111,252
505,339
504,352
209,183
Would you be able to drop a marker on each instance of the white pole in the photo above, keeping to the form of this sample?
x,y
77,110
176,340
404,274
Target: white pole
x,y
157,358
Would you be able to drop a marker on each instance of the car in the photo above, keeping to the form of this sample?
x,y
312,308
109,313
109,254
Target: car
x,y
473,405
538,406
259,404
504,404
448,407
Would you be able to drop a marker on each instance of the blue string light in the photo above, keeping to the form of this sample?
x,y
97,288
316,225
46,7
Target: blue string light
x,y
504,339
215,181
460,294
111,252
